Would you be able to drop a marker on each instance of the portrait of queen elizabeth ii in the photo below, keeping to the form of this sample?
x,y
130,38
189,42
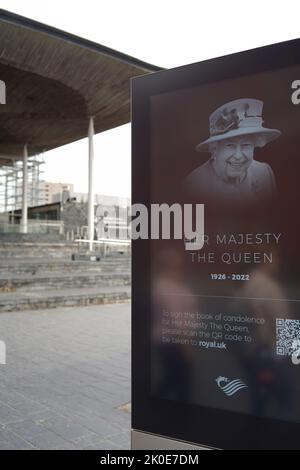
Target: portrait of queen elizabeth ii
x,y
232,174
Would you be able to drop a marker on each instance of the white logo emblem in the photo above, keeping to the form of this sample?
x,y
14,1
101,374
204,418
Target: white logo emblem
x,y
230,387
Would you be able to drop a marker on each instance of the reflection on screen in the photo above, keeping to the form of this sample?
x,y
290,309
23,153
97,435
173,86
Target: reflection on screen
x,y
226,318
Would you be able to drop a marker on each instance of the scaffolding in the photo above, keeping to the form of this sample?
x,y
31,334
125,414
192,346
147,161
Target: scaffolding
x,y
11,180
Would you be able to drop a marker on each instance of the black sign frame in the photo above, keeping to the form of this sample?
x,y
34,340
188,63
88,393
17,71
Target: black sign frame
x,y
205,426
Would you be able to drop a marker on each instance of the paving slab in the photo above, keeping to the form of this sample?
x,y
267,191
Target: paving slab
x,y
66,384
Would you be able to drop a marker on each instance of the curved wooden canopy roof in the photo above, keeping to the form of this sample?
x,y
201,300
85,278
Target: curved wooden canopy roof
x,y
54,82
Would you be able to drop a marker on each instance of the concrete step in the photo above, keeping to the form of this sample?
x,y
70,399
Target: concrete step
x,y
36,266
20,301
37,250
50,281
31,237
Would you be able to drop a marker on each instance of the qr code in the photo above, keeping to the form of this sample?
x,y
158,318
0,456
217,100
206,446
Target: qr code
x,y
287,336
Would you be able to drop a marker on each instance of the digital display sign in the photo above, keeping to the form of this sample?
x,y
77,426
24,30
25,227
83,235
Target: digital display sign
x,y
224,320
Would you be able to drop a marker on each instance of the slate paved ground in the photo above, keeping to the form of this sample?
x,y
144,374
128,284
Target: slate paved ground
x,y
66,378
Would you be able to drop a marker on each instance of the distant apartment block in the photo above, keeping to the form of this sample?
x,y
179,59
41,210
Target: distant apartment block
x,y
49,190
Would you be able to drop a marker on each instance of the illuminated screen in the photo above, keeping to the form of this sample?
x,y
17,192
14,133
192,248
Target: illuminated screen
x,y
226,318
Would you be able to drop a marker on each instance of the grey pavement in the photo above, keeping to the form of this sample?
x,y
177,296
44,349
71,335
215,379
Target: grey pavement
x,y
66,384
